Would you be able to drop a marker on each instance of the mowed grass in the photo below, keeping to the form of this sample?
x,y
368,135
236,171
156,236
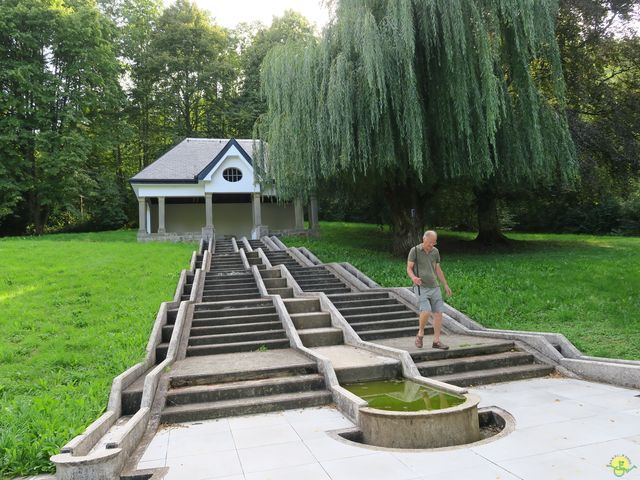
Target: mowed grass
x,y
585,287
75,311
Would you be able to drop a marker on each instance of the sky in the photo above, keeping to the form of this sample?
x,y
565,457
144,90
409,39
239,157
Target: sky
x,y
229,13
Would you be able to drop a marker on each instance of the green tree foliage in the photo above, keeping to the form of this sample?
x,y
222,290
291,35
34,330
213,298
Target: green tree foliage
x,y
58,77
189,59
407,94
290,27
602,67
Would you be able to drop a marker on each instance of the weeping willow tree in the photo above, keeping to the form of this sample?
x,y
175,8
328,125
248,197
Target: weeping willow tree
x,y
406,95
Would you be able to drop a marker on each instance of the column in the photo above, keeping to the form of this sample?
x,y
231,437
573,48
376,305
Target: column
x,y
142,215
161,216
207,231
299,213
257,209
208,207
313,214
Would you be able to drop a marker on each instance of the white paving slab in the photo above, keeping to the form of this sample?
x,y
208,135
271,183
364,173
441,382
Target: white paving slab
x,y
565,429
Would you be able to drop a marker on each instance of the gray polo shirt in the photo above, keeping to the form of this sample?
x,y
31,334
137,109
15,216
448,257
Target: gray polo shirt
x,y
426,265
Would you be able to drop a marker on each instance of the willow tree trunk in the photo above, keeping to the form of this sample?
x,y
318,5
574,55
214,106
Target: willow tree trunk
x,y
407,219
488,222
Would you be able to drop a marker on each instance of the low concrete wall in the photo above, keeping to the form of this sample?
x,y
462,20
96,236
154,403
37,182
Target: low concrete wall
x,y
457,425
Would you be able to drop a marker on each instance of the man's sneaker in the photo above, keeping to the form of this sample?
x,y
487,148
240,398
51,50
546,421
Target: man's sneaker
x,y
440,346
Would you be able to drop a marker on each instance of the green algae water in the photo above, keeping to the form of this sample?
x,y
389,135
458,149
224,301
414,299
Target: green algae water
x,y
403,395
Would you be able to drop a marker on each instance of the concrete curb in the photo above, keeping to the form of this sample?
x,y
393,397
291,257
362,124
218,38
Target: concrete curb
x,y
264,258
272,246
278,243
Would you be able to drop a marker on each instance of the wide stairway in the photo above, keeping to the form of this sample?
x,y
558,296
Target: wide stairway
x,y
470,365
375,315
242,384
238,356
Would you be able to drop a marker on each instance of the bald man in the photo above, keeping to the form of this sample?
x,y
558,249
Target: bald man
x,y
423,268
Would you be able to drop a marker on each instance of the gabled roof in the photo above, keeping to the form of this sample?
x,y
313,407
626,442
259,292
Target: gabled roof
x,y
191,160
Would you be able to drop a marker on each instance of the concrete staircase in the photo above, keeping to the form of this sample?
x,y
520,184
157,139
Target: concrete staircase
x,y
276,285
282,257
375,315
245,384
318,279
480,365
238,285
313,324
257,244
235,326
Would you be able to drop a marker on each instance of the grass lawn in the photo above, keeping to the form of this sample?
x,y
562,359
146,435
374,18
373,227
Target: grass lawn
x,y
586,287
75,311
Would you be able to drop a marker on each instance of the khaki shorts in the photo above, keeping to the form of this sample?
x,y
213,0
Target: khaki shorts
x,y
429,300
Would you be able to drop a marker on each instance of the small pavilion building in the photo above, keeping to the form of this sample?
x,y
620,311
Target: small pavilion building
x,y
203,187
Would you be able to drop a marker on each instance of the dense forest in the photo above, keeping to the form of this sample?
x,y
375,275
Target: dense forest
x,y
94,91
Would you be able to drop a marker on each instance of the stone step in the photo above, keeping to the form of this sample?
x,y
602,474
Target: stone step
x,y
161,352
365,373
185,297
321,337
243,277
381,317
450,366
315,273
229,408
386,324
327,290
321,286
237,328
237,337
235,320
372,317
234,312
302,305
398,307
318,281
311,320
390,333
274,273
236,347
364,303
275,282
244,389
358,296
233,304
186,380
495,375
252,255
229,289
459,352
286,292
221,298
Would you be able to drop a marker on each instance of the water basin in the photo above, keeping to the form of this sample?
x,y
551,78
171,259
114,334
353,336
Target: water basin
x,y
401,395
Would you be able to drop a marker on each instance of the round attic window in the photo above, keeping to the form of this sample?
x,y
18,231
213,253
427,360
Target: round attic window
x,y
232,174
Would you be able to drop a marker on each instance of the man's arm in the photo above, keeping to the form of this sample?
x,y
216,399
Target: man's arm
x,y
412,276
443,280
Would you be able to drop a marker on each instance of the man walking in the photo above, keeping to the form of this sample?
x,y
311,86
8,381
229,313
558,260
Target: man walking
x,y
423,268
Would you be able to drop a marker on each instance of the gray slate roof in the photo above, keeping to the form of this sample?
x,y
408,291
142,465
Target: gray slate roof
x,y
187,159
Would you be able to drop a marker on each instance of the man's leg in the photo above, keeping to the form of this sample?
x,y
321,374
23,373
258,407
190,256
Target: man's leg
x,y
437,326
424,318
